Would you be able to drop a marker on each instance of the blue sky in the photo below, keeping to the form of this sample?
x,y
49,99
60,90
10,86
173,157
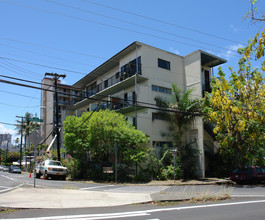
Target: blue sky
x,y
39,36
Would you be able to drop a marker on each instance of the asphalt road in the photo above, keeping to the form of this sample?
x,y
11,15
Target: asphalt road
x,y
243,209
247,202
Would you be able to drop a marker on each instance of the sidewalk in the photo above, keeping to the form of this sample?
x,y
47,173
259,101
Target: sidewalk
x,y
29,197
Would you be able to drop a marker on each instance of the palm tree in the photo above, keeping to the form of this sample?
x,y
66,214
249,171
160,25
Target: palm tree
x,y
185,109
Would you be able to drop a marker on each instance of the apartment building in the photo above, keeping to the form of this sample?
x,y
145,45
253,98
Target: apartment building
x,y
139,73
67,96
5,138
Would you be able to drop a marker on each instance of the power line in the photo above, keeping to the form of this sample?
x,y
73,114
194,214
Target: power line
x,y
13,93
7,123
42,54
41,65
96,99
143,26
161,21
115,27
1,103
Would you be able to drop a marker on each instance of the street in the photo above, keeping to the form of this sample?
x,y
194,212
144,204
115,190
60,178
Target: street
x,y
247,201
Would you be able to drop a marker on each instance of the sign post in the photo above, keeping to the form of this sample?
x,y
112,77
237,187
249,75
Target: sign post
x,y
35,120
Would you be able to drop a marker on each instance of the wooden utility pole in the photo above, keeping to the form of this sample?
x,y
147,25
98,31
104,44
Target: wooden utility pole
x,y
21,137
56,77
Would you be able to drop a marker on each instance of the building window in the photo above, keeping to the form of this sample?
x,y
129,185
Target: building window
x,y
106,84
131,68
91,89
163,64
162,143
161,89
134,121
159,116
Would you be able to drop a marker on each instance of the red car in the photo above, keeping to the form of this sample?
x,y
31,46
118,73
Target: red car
x,y
248,174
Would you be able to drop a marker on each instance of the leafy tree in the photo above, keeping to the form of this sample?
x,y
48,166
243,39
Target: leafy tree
x,y
185,111
27,127
236,106
93,136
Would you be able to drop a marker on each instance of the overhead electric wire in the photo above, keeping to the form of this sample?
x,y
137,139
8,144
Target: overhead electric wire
x,y
13,93
161,21
96,99
41,65
46,55
143,26
11,65
1,103
115,27
7,123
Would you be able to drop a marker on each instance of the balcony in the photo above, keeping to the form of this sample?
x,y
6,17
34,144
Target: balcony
x,y
103,94
120,107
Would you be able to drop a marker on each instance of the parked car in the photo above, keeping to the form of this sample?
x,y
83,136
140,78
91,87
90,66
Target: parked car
x,y
1,168
51,169
249,174
14,169
5,169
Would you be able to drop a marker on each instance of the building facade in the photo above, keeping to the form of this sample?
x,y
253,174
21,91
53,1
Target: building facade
x,y
67,96
5,138
130,81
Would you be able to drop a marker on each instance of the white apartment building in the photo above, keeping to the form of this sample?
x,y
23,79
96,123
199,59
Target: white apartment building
x,y
66,96
138,74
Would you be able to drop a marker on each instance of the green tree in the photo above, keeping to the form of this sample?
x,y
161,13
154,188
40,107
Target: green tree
x,y
185,109
27,127
93,136
236,106
237,109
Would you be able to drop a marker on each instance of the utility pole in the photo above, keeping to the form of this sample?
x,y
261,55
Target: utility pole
x,y
56,77
21,137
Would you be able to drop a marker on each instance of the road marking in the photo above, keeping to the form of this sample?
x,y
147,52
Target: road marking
x,y
95,187
8,177
144,212
11,188
248,195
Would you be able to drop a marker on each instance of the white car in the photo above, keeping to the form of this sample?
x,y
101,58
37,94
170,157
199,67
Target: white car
x,y
51,169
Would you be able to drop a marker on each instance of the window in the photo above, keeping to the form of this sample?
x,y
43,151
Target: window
x,y
92,89
125,97
159,116
131,68
161,89
162,143
106,84
163,64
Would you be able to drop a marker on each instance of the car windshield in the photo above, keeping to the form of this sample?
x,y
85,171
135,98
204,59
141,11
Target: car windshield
x,y
54,163
243,169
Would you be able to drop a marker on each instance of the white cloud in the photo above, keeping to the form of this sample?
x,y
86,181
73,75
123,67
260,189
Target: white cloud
x,y
234,28
173,50
63,81
4,130
231,51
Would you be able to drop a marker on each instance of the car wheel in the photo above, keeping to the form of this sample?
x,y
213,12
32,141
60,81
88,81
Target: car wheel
x,y
63,177
46,176
37,175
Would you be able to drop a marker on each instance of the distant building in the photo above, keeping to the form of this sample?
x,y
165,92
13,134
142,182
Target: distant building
x,y
5,138
66,96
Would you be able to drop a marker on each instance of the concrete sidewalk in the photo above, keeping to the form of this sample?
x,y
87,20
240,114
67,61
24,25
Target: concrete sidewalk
x,y
63,198
30,197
